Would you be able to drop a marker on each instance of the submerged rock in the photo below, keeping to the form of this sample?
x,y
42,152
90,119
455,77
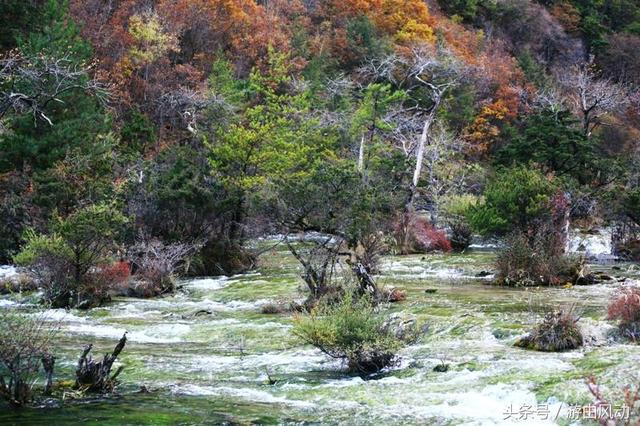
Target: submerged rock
x,y
402,326
441,368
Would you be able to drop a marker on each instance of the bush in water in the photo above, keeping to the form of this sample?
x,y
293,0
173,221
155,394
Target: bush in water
x,y
625,307
156,264
454,209
557,332
415,234
24,349
354,331
66,260
532,259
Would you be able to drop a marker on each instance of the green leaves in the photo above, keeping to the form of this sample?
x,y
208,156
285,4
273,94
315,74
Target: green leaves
x,y
277,138
551,139
369,115
514,199
349,329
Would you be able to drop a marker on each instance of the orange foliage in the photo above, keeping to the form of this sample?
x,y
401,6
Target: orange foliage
x,y
145,51
187,34
499,80
568,16
404,21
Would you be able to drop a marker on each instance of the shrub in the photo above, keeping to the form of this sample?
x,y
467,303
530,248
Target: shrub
x,y
113,273
535,255
24,347
532,259
351,330
515,199
557,332
416,235
454,209
66,260
157,263
625,307
18,284
318,260
606,407
461,235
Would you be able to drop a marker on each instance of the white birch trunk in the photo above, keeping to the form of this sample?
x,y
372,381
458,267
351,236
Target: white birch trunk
x,y
361,155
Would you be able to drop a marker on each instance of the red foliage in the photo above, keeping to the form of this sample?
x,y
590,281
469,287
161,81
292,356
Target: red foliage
x,y
396,295
116,273
625,307
417,235
431,238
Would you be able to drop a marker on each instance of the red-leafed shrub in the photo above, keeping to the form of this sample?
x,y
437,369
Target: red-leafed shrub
x,y
416,235
117,272
625,307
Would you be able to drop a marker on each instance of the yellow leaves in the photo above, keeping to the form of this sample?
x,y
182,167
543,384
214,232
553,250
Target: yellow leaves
x,y
151,40
485,128
413,31
408,21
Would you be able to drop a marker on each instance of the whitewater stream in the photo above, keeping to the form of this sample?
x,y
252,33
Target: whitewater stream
x,y
208,355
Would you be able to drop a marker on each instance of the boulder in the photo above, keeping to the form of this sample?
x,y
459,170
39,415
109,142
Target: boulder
x,y
402,326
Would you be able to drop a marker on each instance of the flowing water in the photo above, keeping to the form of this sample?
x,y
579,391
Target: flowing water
x,y
208,354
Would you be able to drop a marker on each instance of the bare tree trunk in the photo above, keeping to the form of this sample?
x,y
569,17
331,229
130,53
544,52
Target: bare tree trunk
x,y
424,137
365,280
361,155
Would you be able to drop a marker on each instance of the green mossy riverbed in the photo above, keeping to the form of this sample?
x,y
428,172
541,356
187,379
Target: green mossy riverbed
x,y
208,354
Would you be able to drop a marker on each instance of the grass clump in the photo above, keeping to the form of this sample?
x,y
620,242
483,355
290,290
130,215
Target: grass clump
x,y
352,330
557,332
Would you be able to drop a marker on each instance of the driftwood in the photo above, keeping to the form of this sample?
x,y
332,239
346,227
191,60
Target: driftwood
x,y
365,281
95,376
48,362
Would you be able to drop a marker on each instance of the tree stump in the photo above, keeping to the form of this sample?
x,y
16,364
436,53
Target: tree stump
x,y
95,376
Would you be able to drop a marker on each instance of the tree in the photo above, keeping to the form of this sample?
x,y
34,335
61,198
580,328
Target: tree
x,y
550,139
47,98
64,260
515,199
591,97
30,84
620,60
425,75
368,118
18,17
276,139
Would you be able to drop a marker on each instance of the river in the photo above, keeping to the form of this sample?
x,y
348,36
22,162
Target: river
x,y
208,355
